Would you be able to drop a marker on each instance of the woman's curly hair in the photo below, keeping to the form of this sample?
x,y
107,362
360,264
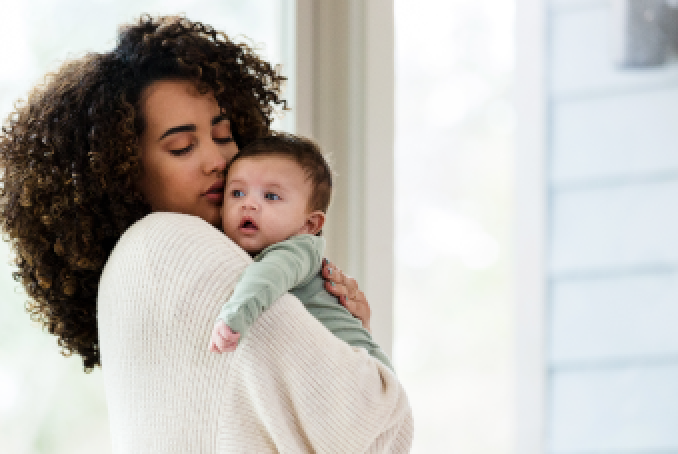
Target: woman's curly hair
x,y
70,159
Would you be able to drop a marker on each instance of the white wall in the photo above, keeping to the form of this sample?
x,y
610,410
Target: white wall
x,y
611,169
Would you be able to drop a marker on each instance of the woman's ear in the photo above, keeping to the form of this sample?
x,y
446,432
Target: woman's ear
x,y
314,223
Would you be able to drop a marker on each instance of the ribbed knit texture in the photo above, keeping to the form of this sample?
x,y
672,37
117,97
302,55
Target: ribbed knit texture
x,y
290,387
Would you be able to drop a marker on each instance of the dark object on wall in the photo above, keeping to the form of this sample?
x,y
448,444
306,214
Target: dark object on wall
x,y
643,31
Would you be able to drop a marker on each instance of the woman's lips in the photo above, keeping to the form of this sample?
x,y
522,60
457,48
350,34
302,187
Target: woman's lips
x,y
216,192
215,196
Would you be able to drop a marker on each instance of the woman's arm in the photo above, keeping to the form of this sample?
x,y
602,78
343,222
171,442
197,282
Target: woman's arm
x,y
291,387
313,392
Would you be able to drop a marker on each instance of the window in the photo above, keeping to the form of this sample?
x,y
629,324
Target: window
x,y
453,161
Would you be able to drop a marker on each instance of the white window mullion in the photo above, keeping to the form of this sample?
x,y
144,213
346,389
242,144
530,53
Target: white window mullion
x,y
530,227
344,99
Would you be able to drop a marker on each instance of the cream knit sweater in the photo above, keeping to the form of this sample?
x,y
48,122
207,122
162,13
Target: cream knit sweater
x,y
290,386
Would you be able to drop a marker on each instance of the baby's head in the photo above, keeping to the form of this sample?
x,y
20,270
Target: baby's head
x,y
276,187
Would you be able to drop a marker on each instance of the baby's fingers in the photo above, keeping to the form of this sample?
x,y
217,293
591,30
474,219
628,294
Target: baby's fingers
x,y
223,338
227,333
217,343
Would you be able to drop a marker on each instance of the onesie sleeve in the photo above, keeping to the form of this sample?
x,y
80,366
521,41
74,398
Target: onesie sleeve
x,y
276,270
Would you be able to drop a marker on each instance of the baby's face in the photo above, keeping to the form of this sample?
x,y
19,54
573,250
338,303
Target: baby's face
x,y
265,201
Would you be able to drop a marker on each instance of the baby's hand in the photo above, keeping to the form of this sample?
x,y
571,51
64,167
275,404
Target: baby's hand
x,y
223,338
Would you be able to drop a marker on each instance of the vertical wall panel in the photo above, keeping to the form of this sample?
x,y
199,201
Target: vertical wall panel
x,y
631,409
581,59
611,228
612,243
614,318
625,136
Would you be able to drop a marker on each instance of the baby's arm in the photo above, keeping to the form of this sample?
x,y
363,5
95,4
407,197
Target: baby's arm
x,y
279,268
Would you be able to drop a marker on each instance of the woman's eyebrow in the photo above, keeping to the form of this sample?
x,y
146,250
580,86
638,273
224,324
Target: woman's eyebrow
x,y
219,119
191,128
176,129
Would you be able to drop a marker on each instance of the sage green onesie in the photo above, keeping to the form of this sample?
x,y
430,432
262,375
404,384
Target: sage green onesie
x,y
294,266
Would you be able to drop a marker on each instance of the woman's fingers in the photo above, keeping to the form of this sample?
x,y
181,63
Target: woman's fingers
x,y
337,290
347,291
333,274
335,280
359,307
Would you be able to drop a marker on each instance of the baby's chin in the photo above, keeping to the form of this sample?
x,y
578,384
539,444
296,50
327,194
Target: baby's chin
x,y
250,247
253,251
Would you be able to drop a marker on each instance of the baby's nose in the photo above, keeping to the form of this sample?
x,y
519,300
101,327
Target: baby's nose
x,y
250,203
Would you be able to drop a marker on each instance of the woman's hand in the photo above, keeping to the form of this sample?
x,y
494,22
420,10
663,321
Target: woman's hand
x,y
346,290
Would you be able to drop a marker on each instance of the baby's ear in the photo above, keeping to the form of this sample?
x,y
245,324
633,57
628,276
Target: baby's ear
x,y
314,223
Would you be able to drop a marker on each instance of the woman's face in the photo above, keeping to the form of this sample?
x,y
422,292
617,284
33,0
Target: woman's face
x,y
185,147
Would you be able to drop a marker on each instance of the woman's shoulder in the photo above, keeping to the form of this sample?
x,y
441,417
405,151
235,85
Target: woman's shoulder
x,y
169,259
162,229
167,223
173,239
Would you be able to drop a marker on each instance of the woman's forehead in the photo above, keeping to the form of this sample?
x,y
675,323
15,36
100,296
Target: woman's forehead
x,y
170,101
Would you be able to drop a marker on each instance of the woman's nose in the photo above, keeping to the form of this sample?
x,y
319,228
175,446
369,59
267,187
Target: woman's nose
x,y
214,160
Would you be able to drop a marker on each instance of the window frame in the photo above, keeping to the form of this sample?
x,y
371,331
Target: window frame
x,y
529,264
344,87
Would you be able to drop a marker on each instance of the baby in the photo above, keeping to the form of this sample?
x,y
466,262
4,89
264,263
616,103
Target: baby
x,y
276,195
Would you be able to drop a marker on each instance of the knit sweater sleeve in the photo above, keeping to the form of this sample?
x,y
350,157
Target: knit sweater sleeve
x,y
330,397
291,386
275,271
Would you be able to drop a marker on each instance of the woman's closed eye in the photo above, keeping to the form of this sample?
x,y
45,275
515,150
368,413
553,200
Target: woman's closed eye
x,y
272,196
217,140
222,140
182,151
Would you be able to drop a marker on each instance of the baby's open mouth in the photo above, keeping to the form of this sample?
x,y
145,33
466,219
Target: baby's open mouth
x,y
248,224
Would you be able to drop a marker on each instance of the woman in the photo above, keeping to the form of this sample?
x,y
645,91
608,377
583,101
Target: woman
x,y
112,175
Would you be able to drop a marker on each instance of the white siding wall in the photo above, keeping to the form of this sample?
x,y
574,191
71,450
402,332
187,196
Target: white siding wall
x,y
612,243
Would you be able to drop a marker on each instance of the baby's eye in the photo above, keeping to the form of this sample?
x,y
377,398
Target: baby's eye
x,y
271,196
237,193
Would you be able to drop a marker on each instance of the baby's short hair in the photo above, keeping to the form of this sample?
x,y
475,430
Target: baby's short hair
x,y
304,152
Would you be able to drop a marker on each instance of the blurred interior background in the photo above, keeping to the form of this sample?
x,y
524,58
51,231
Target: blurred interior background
x,y
523,276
